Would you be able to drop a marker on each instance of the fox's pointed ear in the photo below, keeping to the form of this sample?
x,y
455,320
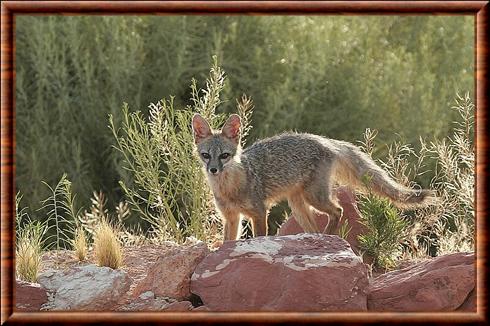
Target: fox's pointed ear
x,y
231,128
200,128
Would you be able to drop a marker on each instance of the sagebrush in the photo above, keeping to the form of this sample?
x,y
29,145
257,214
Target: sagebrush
x,y
167,188
444,228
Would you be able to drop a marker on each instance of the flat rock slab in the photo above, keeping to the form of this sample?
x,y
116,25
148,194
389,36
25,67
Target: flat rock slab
x,y
303,272
87,287
443,283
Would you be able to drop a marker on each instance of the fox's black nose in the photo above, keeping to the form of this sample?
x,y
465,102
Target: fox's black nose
x,y
213,170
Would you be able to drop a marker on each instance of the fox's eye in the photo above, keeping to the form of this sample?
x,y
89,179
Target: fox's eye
x,y
224,156
206,156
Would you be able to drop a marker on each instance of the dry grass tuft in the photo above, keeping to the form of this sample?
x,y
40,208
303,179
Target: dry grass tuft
x,y
28,252
107,249
80,244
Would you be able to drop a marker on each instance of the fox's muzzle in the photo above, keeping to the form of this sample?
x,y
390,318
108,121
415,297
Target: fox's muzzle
x,y
214,167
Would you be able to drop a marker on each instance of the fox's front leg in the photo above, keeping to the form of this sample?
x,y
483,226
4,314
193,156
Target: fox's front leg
x,y
231,224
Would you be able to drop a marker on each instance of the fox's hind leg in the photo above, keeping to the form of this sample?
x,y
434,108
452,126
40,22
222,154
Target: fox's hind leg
x,y
258,217
259,225
318,193
302,213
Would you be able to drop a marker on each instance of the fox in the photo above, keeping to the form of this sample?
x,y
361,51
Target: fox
x,y
301,168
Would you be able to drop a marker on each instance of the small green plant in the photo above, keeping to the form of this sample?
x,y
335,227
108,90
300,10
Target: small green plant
x,y
80,244
107,248
385,230
29,244
62,218
168,189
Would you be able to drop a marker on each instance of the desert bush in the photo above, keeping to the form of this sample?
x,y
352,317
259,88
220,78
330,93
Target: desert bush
x,y
448,226
455,182
98,212
168,189
107,247
385,227
90,219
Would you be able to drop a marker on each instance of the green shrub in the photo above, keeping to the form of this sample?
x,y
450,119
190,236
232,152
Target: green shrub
x,y
167,188
455,182
385,227
448,226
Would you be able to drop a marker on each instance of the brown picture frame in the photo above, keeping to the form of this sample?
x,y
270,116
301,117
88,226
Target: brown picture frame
x,y
10,9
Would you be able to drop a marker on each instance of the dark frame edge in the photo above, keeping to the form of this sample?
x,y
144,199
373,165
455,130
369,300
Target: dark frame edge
x,y
246,7
7,163
482,150
245,317
10,8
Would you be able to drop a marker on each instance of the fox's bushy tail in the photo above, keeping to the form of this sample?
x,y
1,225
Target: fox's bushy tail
x,y
359,170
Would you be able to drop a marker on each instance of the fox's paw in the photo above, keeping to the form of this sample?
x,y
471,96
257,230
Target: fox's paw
x,y
217,244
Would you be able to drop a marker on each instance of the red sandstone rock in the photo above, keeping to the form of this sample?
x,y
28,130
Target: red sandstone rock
x,y
304,272
470,303
351,214
29,296
439,284
170,275
148,302
145,302
179,306
201,308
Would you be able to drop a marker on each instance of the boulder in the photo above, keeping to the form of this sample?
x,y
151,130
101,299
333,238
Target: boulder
x,y
351,214
88,287
29,296
170,274
440,284
303,272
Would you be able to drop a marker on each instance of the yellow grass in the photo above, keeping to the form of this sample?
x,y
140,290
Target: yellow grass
x,y
80,244
107,249
28,259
